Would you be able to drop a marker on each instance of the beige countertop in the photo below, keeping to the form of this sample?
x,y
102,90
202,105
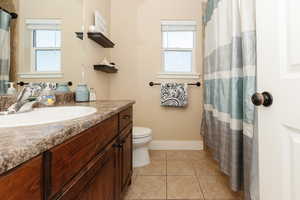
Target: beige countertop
x,y
18,145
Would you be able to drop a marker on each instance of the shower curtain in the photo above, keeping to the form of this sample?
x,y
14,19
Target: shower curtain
x,y
229,76
5,19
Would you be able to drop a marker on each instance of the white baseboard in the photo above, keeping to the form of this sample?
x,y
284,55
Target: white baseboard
x,y
176,145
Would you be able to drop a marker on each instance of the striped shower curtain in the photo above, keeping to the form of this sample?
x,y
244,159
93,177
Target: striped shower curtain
x,y
229,75
5,19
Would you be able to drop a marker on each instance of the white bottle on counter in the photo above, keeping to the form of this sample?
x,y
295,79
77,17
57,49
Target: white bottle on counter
x,y
11,90
92,94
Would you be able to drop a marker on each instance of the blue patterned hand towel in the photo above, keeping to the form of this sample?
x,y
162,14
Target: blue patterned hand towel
x,y
173,94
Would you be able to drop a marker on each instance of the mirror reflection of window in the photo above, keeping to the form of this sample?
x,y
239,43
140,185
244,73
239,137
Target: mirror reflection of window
x,y
45,45
46,50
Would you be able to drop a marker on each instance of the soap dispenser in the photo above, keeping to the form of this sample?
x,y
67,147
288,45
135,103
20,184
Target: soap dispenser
x,y
82,93
11,90
47,96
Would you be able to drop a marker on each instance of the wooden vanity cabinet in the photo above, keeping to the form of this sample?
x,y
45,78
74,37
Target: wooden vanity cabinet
x,y
24,182
107,174
94,165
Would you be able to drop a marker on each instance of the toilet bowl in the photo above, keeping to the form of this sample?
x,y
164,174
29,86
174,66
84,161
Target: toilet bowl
x,y
141,138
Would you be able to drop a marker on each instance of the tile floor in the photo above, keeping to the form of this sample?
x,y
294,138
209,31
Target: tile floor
x,y
180,175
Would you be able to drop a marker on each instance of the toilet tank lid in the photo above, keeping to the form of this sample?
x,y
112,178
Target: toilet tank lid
x,y
139,132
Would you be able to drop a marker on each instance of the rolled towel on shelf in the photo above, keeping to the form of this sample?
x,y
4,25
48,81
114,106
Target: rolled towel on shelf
x,y
174,94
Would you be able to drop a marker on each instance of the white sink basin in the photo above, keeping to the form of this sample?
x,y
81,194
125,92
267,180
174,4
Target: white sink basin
x,y
45,115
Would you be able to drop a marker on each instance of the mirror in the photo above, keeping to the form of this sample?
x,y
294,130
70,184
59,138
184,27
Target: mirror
x,y
40,44
43,46
8,65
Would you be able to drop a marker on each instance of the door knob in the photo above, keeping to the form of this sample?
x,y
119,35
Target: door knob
x,y
265,99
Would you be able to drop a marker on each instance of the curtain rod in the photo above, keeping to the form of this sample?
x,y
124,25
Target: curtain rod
x,y
13,15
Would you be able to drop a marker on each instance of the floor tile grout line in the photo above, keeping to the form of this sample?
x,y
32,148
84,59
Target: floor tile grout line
x,y
202,192
166,154
198,181
166,187
152,175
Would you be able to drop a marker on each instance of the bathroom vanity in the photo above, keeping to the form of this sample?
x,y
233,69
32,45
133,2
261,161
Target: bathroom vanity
x,y
84,159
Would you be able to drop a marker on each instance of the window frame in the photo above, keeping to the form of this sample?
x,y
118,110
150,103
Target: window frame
x,y
168,74
42,24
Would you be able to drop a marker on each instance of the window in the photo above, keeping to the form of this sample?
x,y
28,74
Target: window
x,y
178,48
44,48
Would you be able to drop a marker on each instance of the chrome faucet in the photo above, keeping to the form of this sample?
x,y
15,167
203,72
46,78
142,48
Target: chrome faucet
x,y
26,99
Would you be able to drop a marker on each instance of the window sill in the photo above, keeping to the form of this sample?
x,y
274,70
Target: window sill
x,y
39,75
165,75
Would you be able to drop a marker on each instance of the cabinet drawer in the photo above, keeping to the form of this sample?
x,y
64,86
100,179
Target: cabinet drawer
x,y
125,118
24,182
70,157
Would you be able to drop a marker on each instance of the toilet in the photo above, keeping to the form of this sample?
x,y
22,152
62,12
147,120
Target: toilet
x,y
141,139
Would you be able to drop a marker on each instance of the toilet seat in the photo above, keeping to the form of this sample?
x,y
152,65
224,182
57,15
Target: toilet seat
x,y
142,141
141,132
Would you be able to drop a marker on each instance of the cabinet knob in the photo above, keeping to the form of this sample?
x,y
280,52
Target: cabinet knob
x,y
126,117
118,145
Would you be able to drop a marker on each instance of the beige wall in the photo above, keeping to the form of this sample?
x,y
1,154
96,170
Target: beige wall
x,y
135,28
75,51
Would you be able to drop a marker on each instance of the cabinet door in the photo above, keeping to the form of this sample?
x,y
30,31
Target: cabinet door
x,y
99,180
24,182
69,158
126,166
102,186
